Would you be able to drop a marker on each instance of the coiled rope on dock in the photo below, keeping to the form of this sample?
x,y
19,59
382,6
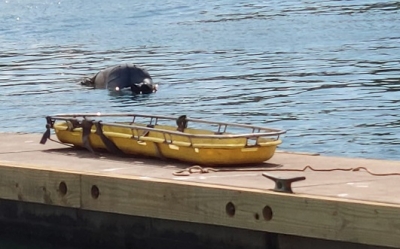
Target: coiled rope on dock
x,y
196,169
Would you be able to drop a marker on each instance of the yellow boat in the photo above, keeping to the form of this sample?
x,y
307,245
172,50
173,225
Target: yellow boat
x,y
204,142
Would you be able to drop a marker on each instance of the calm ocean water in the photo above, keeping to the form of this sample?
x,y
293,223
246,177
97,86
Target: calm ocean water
x,y
326,71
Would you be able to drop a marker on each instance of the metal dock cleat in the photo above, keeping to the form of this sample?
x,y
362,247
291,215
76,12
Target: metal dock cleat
x,y
283,185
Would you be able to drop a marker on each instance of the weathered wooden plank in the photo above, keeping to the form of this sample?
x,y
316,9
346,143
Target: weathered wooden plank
x,y
310,216
324,218
39,186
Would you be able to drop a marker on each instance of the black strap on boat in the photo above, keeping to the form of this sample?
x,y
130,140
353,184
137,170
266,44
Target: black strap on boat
x,y
110,145
72,124
86,130
46,134
182,123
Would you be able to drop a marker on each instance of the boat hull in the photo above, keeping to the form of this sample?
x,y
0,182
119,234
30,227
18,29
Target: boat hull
x,y
202,151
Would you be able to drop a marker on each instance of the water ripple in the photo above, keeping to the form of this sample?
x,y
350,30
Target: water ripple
x,y
326,71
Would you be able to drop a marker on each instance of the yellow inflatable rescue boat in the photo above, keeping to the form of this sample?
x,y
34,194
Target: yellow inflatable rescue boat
x,y
190,140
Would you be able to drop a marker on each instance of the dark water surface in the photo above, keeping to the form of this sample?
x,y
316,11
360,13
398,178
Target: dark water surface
x,y
326,71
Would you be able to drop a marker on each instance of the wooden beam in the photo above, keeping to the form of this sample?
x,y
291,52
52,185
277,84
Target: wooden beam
x,y
309,216
261,210
39,186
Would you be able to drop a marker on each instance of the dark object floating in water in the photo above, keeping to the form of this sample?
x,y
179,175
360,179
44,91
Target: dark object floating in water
x,y
123,76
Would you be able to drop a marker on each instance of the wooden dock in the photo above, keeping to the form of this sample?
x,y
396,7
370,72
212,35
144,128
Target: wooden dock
x,y
56,186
